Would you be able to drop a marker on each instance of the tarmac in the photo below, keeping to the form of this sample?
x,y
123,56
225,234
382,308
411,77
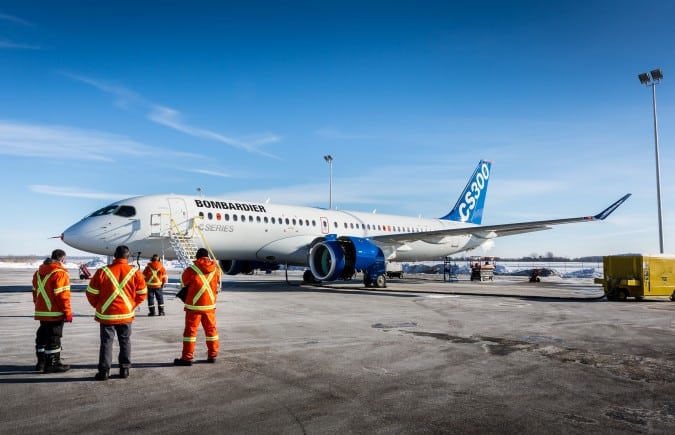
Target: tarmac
x,y
422,356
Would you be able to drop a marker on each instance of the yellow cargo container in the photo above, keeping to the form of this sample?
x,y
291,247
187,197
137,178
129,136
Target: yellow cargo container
x,y
638,276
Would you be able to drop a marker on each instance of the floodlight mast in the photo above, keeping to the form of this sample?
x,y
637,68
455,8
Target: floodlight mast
x,y
652,79
329,159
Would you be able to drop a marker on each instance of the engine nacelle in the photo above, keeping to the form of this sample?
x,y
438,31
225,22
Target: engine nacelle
x,y
340,257
235,267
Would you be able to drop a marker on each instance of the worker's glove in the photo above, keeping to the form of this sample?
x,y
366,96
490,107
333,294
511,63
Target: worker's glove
x,y
69,317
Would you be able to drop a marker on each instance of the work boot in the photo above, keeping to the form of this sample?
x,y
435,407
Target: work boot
x,y
102,375
181,362
54,364
152,311
124,372
161,310
211,360
41,361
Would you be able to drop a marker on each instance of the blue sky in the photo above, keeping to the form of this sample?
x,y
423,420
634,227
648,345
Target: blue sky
x,y
104,100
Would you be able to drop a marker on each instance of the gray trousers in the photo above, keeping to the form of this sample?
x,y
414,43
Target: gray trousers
x,y
123,331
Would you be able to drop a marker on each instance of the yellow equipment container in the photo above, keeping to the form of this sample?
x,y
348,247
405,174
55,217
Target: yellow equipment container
x,y
638,276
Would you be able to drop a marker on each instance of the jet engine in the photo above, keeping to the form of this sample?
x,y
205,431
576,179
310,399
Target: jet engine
x,y
335,257
235,267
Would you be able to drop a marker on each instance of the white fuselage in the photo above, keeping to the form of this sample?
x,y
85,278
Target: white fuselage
x,y
242,230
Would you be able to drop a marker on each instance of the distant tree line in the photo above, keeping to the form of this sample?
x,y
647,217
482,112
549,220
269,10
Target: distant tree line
x,y
549,257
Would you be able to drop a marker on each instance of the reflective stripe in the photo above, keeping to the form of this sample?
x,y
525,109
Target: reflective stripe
x,y
114,316
49,313
154,279
61,289
119,286
189,339
206,285
200,307
214,338
41,288
92,290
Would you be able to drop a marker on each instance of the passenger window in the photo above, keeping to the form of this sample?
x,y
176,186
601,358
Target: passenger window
x,y
210,215
234,217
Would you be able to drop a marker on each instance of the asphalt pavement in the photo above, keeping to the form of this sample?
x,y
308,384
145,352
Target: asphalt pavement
x,y
422,356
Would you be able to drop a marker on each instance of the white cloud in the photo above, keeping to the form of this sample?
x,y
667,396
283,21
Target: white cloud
x,y
172,118
208,172
61,142
16,20
4,43
76,193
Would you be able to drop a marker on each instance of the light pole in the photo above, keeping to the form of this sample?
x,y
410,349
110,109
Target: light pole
x,y
652,79
329,159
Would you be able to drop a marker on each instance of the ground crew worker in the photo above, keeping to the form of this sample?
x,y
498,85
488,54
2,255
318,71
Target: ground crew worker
x,y
115,291
202,280
51,296
155,278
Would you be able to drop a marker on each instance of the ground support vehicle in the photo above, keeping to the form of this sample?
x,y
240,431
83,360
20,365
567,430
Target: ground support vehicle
x,y
638,276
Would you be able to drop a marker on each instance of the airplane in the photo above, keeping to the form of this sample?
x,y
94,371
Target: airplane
x,y
332,244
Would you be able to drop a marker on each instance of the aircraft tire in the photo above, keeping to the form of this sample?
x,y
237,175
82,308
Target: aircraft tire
x,y
381,281
622,294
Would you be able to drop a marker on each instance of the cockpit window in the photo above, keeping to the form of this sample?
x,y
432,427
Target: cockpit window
x,y
105,210
126,211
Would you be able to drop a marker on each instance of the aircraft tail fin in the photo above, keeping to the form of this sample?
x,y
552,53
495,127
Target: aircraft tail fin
x,y
469,206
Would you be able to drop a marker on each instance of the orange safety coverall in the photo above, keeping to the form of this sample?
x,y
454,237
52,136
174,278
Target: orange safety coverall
x,y
155,274
115,291
51,292
203,282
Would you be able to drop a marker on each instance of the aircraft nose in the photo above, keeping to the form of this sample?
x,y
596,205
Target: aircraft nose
x,y
73,237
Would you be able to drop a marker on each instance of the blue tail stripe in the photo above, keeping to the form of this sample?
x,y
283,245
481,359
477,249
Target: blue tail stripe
x,y
469,206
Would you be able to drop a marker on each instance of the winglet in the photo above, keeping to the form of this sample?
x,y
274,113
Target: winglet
x,y
609,210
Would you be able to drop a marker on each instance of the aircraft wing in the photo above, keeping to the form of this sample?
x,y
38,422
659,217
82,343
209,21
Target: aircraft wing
x,y
492,231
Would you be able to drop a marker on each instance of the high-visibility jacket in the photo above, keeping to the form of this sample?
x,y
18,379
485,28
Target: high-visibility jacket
x,y
51,292
155,274
115,291
203,282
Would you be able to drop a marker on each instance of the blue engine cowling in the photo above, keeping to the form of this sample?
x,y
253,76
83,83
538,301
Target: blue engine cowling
x,y
235,267
340,257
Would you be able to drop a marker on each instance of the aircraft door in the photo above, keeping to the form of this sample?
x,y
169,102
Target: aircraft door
x,y
179,214
155,225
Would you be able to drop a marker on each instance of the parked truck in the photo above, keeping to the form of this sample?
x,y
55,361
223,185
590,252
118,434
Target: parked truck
x,y
638,276
394,269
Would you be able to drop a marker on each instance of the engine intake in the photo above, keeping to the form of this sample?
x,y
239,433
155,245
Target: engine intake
x,y
340,257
